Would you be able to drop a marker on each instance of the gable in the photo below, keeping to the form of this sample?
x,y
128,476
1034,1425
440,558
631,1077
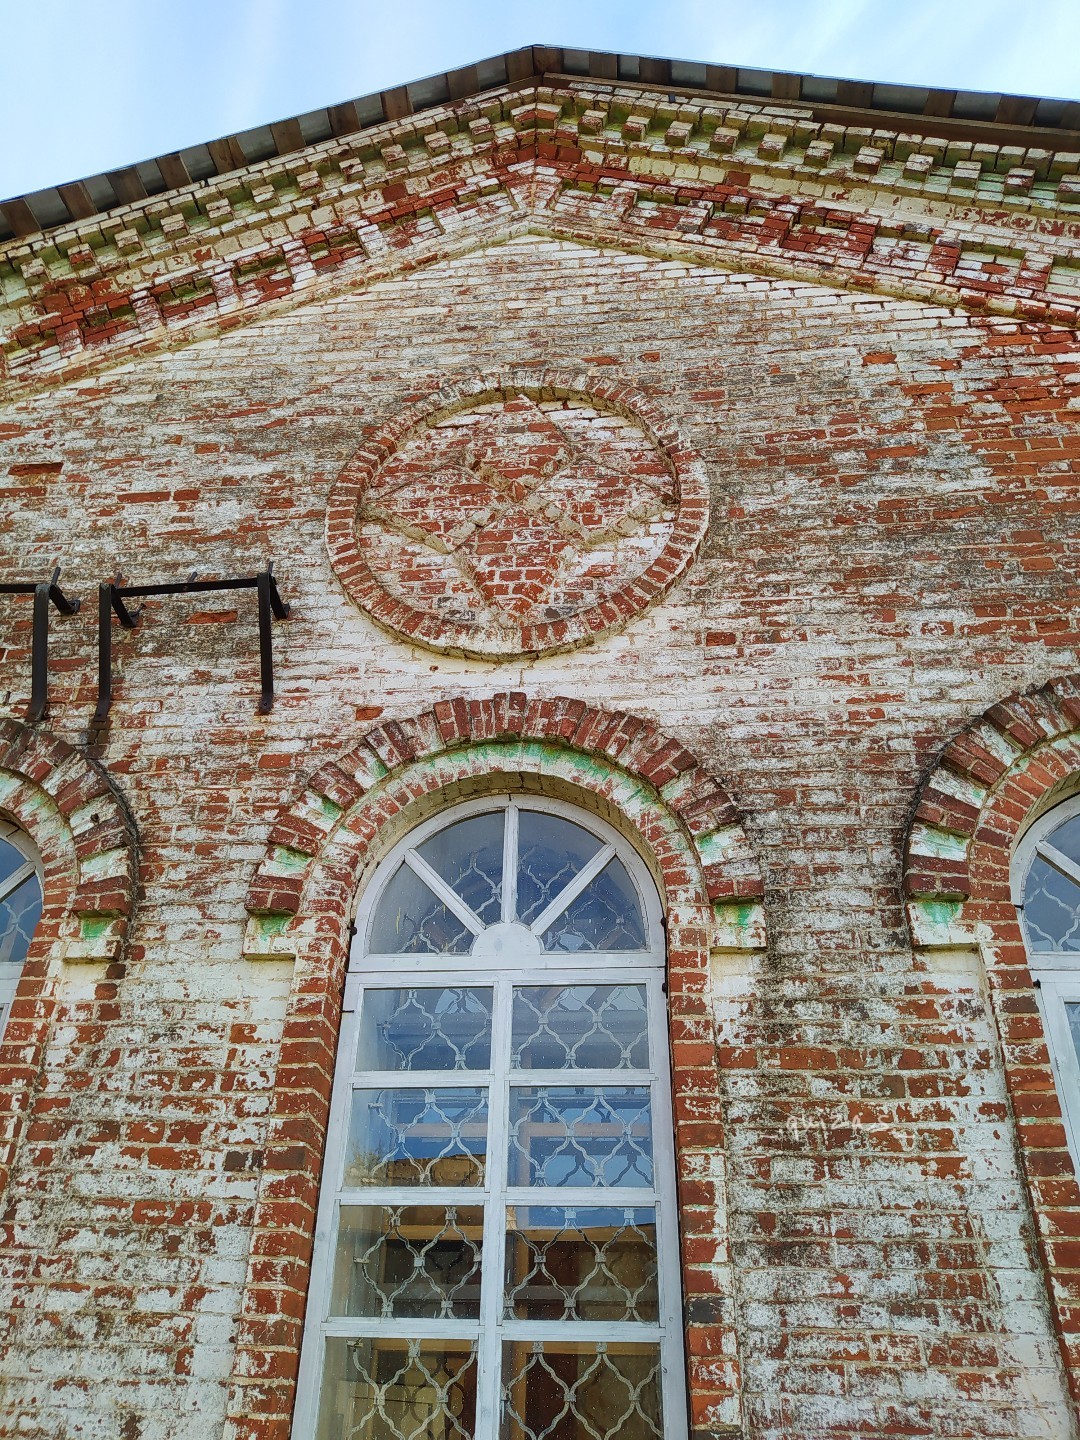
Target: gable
x,y
757,187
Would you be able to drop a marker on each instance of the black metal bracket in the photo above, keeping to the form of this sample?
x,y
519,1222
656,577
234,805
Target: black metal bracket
x,y
112,599
45,593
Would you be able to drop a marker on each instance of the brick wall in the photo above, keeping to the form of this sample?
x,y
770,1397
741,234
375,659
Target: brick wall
x,y
892,548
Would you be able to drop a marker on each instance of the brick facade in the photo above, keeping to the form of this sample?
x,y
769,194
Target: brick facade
x,y
858,342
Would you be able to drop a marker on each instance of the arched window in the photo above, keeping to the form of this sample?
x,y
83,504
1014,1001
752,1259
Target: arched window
x,y
20,907
497,1250
1046,887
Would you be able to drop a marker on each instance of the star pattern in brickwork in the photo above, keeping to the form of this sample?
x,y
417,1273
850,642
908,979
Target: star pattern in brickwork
x,y
529,511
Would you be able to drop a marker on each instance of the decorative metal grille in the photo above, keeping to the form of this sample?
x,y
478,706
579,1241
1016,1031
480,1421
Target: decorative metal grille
x,y
594,1027
1052,889
559,1391
19,915
20,910
399,1389
424,1028
417,1137
402,1261
580,1136
1051,908
574,1263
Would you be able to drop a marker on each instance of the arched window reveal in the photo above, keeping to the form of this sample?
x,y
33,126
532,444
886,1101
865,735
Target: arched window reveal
x,y
497,1253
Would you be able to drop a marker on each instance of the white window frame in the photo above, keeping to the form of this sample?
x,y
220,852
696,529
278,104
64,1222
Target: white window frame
x,y
1056,973
10,974
646,967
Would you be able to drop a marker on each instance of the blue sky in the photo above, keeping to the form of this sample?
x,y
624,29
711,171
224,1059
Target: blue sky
x,y
90,86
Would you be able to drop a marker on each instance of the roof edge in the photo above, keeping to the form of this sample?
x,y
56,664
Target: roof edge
x,y
951,114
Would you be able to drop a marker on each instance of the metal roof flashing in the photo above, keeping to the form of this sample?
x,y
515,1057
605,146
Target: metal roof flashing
x,y
950,114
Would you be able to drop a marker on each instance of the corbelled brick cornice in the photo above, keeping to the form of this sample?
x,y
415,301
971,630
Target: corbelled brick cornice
x,y
762,187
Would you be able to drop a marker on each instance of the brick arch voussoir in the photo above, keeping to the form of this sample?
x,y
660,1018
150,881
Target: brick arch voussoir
x,y
990,782
978,786
86,838
300,902
99,827
700,802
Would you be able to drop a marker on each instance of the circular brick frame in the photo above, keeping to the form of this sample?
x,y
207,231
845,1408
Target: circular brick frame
x,y
626,602
1007,768
301,902
87,842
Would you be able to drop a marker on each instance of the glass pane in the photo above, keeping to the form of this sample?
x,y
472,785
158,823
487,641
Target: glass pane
x,y
562,1390
605,916
469,857
19,915
425,1029
408,1260
572,1263
1072,1013
580,1135
409,919
398,1389
417,1137
551,851
10,861
1051,908
1066,838
598,1027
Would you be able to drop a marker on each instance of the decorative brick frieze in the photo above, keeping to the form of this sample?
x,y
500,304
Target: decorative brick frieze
x,y
749,178
688,830
516,513
988,785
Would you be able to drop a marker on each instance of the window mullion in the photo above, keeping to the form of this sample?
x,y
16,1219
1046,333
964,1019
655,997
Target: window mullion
x,y
1060,861
510,862
15,879
491,1292
438,886
572,890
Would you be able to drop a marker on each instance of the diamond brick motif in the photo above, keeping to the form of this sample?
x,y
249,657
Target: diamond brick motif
x,y
512,523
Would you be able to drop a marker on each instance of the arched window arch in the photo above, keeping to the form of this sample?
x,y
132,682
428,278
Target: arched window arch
x,y
20,907
1046,888
497,1251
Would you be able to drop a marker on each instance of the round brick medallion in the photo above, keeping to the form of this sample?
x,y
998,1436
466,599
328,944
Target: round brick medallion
x,y
517,513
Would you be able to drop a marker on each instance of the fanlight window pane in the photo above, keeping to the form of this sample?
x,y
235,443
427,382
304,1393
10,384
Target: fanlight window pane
x,y
596,1027
469,857
391,1388
449,889
1066,838
1072,1012
408,1261
1051,907
422,1136
551,851
19,915
425,1028
605,916
574,1263
577,1391
410,919
11,860
580,1136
